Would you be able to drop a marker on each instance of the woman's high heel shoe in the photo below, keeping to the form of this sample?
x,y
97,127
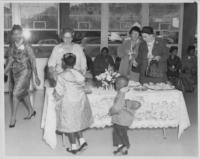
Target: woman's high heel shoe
x,y
13,125
29,117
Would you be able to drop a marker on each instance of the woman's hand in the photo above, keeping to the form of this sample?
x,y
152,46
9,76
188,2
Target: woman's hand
x,y
157,58
37,80
135,64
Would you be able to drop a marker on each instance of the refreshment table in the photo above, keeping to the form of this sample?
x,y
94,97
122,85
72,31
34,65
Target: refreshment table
x,y
159,109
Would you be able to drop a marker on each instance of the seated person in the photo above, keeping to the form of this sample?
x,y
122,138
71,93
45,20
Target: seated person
x,y
102,61
173,66
117,63
89,62
122,113
189,69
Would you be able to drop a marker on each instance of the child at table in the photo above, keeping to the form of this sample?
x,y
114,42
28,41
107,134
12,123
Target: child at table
x,y
73,109
122,113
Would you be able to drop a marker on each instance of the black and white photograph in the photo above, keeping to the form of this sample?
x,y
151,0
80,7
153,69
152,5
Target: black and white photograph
x,y
88,78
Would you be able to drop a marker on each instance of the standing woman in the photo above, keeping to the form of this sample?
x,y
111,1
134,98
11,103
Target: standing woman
x,y
128,53
152,57
55,60
21,66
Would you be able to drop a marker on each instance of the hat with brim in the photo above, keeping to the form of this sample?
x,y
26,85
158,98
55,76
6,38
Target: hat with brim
x,y
147,30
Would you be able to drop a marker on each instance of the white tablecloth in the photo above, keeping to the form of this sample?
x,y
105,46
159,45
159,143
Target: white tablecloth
x,y
160,109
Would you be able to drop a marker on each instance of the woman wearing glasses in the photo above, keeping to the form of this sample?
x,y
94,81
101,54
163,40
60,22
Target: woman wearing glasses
x,y
55,60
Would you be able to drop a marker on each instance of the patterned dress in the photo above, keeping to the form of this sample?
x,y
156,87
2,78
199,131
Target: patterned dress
x,y
73,109
21,69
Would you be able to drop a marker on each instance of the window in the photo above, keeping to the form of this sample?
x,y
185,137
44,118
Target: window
x,y
33,13
7,22
164,18
7,16
41,19
85,18
121,18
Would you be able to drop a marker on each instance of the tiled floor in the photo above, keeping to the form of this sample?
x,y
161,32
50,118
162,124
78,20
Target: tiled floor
x,y
26,137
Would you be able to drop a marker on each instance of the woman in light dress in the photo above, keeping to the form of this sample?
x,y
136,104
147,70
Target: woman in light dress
x,y
55,60
55,74
73,109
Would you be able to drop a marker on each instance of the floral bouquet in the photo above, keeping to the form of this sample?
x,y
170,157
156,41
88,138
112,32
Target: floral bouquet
x,y
108,78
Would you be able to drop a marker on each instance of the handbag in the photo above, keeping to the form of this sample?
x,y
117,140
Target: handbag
x,y
153,70
180,85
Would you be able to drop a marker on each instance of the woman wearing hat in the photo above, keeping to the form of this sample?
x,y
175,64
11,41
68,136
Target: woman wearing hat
x,y
152,57
128,52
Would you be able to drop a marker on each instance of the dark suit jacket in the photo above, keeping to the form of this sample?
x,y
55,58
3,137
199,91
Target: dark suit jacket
x,y
159,49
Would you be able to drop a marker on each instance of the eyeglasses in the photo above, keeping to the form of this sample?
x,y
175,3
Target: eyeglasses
x,y
67,37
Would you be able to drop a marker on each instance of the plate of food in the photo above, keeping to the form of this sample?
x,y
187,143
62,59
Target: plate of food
x,y
140,88
134,84
159,86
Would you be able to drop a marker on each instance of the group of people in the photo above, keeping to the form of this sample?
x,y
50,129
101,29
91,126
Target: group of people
x,y
182,73
143,57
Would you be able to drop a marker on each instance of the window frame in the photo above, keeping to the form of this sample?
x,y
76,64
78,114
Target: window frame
x,y
104,29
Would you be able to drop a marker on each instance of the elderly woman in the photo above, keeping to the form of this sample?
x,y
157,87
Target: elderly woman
x,y
55,60
128,53
152,57
21,65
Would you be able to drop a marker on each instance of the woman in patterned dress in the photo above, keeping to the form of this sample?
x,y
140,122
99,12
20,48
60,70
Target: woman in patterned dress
x,y
21,66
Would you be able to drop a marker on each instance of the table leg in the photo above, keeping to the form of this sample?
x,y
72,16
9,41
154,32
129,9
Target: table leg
x,y
164,133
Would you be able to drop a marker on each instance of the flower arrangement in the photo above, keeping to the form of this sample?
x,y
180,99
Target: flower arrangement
x,y
108,78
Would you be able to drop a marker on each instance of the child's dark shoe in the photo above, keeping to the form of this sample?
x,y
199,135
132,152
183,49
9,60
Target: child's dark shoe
x,y
118,151
83,146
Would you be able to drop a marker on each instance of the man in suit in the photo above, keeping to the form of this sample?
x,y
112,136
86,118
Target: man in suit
x,y
152,49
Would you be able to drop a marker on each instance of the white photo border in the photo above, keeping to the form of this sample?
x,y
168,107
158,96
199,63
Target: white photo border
x,y
2,107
